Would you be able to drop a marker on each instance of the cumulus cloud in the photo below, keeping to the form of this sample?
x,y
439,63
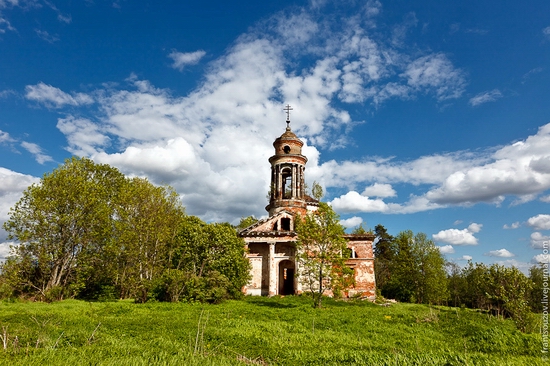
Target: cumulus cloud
x,y
485,97
539,222
6,249
540,258
500,253
446,249
514,225
55,97
459,237
354,202
465,258
379,190
539,241
546,32
37,152
351,222
212,145
182,59
12,185
519,169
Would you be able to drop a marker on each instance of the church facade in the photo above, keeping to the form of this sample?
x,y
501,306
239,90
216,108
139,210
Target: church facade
x,y
271,242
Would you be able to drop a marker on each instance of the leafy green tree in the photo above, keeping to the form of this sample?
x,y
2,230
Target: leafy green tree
x,y
416,270
148,222
456,284
360,230
384,252
320,247
211,260
536,275
63,225
246,222
86,229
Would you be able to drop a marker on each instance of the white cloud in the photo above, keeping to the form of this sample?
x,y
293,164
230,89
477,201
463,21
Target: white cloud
x,y
36,150
12,185
521,168
546,32
84,137
182,59
459,237
545,199
485,97
5,25
514,225
354,202
5,137
465,258
500,253
351,222
522,266
436,72
50,38
446,249
539,222
379,190
55,97
541,258
539,241
213,143
5,250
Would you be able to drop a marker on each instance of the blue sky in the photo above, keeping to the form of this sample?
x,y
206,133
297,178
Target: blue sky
x,y
429,116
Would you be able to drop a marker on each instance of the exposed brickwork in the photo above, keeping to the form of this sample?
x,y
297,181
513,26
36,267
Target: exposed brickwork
x,y
271,242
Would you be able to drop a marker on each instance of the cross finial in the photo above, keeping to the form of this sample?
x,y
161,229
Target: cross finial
x,y
287,109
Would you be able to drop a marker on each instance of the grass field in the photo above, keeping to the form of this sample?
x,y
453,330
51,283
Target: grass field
x,y
258,331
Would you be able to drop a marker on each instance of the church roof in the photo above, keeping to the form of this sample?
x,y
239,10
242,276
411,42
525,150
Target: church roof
x,y
264,227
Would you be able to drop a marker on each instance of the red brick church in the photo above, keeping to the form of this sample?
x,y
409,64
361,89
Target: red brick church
x,y
271,241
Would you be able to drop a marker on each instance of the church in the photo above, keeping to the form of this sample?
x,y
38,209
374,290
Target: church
x,y
271,242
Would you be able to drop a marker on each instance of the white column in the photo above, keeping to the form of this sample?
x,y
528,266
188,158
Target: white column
x,y
272,271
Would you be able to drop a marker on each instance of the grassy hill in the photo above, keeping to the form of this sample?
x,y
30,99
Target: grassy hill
x,y
258,331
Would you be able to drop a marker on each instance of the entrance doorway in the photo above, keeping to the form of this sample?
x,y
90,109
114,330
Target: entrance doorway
x,y
286,278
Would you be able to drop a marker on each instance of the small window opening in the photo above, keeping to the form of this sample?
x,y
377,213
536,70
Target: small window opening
x,y
286,149
276,226
285,224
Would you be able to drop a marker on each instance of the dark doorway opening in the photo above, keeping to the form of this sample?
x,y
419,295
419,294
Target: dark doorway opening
x,y
286,277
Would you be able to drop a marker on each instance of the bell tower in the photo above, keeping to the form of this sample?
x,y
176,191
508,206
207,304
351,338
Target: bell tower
x,y
287,190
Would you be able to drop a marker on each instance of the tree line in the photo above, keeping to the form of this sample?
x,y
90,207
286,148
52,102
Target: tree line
x,y
410,268
87,231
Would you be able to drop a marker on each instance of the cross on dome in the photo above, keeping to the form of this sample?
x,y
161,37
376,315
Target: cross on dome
x,y
287,109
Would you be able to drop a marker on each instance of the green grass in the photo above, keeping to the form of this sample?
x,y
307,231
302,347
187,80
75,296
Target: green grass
x,y
276,331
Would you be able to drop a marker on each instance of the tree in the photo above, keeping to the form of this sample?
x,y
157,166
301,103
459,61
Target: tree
x,y
208,263
148,222
416,270
63,224
536,275
86,227
246,222
383,256
320,247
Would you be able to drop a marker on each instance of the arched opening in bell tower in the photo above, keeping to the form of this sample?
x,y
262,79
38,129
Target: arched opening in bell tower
x,y
286,175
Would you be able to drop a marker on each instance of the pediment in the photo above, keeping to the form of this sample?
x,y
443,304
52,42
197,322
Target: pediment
x,y
282,223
